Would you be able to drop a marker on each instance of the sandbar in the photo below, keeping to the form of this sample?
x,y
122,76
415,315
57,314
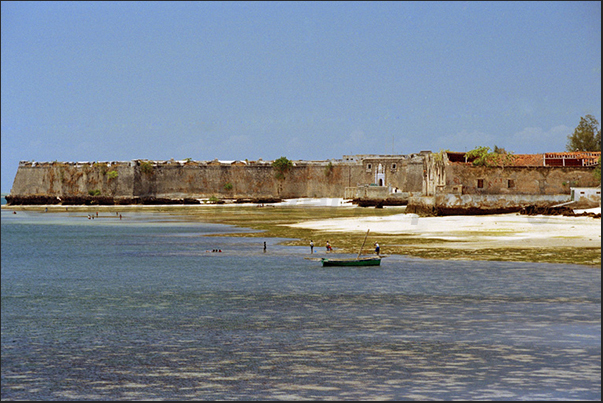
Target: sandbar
x,y
474,232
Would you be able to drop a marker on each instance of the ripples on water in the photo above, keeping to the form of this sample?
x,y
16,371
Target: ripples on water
x,y
142,309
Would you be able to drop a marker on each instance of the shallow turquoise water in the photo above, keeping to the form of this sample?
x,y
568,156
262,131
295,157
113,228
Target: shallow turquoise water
x,y
142,309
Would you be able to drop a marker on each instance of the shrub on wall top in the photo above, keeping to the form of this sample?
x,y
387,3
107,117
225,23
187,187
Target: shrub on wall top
x,y
146,168
281,166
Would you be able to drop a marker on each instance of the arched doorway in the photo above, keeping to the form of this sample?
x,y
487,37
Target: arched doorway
x,y
380,176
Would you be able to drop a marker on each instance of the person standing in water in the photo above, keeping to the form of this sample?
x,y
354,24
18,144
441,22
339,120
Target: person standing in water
x,y
311,246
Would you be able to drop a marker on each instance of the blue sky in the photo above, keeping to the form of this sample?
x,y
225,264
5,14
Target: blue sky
x,y
115,81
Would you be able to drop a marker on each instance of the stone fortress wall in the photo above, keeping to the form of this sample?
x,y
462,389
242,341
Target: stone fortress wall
x,y
176,180
424,182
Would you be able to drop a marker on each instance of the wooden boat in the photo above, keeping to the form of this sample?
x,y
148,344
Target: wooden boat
x,y
364,261
357,261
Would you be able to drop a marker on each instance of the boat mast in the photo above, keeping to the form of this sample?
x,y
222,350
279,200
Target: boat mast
x,y
360,251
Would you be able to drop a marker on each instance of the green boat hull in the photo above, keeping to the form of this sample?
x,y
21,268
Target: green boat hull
x,y
373,261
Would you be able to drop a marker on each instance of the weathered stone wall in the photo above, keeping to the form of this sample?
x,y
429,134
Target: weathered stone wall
x,y
403,177
402,172
73,179
590,197
450,204
460,188
465,179
244,181
177,179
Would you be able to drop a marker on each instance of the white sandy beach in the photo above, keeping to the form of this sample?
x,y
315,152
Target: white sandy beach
x,y
487,231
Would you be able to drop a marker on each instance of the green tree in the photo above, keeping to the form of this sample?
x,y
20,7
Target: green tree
x,y
482,156
281,166
586,137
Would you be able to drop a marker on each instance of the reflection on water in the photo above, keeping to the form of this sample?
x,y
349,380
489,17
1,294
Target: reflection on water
x,y
143,309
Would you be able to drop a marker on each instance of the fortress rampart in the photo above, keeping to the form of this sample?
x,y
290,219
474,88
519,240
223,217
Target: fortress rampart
x,y
427,184
189,181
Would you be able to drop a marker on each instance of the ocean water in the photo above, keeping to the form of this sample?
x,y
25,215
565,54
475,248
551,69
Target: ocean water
x,y
141,308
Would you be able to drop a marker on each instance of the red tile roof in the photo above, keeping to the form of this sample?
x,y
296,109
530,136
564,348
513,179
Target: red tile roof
x,y
547,159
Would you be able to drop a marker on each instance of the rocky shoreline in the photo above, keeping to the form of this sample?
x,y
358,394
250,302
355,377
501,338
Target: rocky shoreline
x,y
562,210
37,200
523,210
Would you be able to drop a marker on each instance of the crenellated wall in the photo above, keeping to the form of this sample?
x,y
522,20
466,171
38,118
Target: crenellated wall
x,y
206,179
425,181
73,179
244,181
